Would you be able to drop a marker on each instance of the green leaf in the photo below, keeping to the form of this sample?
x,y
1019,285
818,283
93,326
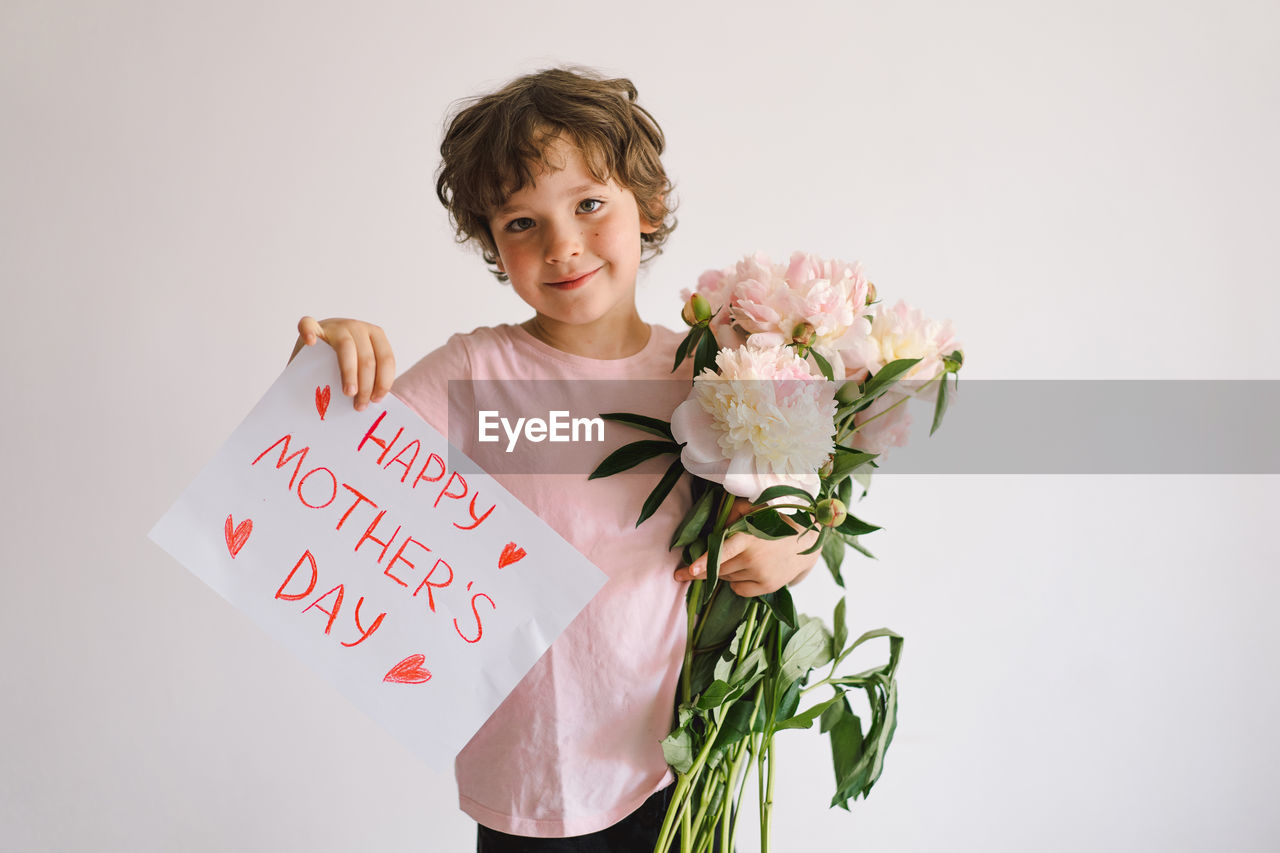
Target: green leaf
x,y
823,365
846,461
845,492
808,647
660,491
854,526
714,543
713,696
694,520
677,748
819,543
841,626
783,491
705,354
833,556
768,524
748,671
895,643
853,543
737,724
720,619
631,455
657,427
693,551
781,606
805,719
729,657
834,712
789,701
702,672
748,668
846,754
939,404
690,340
863,773
886,376
724,666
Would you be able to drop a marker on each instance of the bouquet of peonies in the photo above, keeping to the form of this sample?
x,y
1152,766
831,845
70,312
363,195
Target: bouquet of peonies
x,y
800,383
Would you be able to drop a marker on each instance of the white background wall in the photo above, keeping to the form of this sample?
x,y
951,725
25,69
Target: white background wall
x,y
1088,189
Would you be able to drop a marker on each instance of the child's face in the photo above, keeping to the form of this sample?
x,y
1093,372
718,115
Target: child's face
x,y
570,244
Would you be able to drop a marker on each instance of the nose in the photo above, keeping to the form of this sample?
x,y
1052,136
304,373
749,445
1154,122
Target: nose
x,y
564,241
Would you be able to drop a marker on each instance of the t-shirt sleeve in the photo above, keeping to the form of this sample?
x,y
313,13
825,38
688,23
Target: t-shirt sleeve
x,y
425,386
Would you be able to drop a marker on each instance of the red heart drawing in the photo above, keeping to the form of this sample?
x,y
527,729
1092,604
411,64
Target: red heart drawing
x,y
237,536
510,554
409,671
322,400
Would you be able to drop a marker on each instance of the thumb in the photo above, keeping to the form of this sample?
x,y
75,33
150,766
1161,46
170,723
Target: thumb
x,y
732,547
310,330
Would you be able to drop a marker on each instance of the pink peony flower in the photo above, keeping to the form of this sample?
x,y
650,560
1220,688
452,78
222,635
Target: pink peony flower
x,y
819,303
882,425
763,420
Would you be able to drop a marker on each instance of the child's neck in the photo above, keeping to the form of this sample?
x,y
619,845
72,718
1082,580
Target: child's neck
x,y
604,340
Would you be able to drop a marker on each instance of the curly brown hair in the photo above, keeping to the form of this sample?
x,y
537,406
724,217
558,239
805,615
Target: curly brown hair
x,y
497,144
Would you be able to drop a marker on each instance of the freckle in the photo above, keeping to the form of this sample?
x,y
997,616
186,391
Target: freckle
x,y
469,585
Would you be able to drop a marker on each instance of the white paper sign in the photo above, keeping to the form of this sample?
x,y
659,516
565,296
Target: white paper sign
x,y
424,594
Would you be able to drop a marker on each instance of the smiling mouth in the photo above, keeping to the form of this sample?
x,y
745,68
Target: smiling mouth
x,y
573,283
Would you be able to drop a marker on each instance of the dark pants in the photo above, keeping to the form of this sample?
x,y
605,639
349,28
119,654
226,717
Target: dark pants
x,y
635,833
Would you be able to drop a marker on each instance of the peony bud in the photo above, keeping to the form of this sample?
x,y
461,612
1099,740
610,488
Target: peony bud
x,y
848,392
871,293
701,307
831,512
696,310
686,314
802,334
827,468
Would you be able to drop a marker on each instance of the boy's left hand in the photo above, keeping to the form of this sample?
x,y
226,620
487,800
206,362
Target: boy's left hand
x,y
753,566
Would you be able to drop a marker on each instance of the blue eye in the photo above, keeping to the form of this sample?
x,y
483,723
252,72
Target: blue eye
x,y
590,205
522,223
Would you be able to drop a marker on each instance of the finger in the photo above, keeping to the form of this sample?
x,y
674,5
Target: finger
x,y
366,368
386,364
345,347
310,330
741,506
750,589
306,337
732,547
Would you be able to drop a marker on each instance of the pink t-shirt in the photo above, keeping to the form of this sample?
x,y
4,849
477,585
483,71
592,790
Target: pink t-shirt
x,y
576,746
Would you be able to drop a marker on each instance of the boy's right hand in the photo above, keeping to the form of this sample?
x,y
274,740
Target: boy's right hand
x,y
364,355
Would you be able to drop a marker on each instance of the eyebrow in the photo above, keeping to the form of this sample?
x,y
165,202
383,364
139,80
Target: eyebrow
x,y
582,189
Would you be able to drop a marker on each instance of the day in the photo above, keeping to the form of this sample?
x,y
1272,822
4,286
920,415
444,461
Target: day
x,y
329,603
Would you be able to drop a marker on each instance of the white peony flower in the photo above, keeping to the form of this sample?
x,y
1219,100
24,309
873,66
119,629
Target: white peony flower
x,y
763,420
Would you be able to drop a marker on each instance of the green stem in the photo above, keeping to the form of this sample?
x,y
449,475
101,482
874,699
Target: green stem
x,y
683,783
760,781
844,434
686,673
698,832
766,803
737,782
